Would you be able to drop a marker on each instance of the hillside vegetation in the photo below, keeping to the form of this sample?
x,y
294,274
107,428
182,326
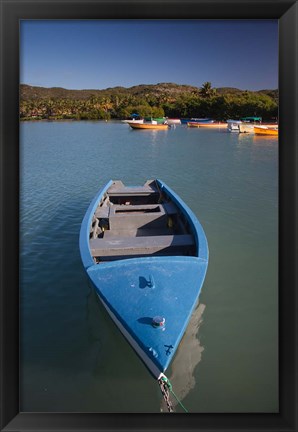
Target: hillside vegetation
x,y
156,100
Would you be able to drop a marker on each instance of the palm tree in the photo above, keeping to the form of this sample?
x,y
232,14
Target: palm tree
x,y
206,91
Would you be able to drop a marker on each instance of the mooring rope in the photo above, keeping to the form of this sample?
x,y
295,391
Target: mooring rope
x,y
167,388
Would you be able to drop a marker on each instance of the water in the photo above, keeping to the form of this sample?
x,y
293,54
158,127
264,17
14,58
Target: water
x,y
73,358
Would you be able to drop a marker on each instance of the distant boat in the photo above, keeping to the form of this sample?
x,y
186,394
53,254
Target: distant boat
x,y
214,125
202,120
233,125
173,121
193,124
196,120
253,120
206,124
134,118
133,121
266,130
146,255
247,124
246,128
157,126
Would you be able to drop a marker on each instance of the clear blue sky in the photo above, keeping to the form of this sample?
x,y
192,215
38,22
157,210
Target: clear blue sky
x,y
97,54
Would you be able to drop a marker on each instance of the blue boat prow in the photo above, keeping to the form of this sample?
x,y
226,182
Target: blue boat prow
x,y
137,290
147,263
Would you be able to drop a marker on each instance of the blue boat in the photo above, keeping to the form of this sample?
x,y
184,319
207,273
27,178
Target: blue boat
x,y
146,255
197,120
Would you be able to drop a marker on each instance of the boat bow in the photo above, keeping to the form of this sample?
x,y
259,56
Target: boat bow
x,y
166,287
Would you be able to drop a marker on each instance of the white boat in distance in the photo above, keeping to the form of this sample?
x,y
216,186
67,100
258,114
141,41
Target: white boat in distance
x,y
133,121
173,121
233,125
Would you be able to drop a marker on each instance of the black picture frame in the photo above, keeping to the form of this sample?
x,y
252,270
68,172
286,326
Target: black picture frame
x,y
287,14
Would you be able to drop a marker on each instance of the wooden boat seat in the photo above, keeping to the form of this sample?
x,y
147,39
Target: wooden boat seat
x,y
141,191
102,212
139,208
139,245
137,212
127,217
141,232
118,189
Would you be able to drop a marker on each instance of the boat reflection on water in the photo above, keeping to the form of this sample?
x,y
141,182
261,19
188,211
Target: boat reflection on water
x,y
187,357
260,141
259,137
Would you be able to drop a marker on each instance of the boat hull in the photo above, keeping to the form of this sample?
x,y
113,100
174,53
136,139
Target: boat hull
x,y
147,126
134,290
213,125
265,131
193,124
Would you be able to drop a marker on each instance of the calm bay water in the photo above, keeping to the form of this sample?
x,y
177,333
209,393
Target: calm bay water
x,y
73,358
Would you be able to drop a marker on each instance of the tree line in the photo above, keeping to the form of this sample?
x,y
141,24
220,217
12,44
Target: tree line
x,y
206,102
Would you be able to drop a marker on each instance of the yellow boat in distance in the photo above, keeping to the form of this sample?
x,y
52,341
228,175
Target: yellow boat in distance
x,y
214,125
193,124
265,130
148,126
207,125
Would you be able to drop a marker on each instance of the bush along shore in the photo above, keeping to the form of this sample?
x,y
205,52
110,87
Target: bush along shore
x,y
166,99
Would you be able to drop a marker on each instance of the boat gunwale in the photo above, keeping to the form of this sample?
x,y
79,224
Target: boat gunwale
x,y
198,231
85,251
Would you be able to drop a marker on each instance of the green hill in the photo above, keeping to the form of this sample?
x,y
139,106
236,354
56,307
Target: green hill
x,y
32,92
28,92
162,99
